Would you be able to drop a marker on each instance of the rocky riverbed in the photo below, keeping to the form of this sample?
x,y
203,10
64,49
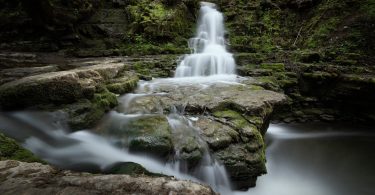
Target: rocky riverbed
x,y
232,117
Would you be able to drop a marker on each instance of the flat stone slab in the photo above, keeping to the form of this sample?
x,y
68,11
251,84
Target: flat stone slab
x,y
245,98
57,87
35,178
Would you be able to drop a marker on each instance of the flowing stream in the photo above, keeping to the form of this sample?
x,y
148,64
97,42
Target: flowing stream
x,y
324,159
299,162
208,64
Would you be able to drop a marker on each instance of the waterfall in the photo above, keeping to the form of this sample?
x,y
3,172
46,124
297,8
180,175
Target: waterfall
x,y
84,151
209,55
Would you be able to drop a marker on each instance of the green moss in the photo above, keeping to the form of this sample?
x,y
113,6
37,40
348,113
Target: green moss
x,y
273,66
243,59
86,113
105,100
126,83
236,118
255,120
11,150
255,87
147,134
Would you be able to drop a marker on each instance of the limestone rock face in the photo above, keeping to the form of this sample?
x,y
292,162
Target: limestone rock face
x,y
245,98
230,119
7,75
56,87
34,178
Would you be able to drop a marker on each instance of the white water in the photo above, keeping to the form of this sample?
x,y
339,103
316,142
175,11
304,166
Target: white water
x,y
209,169
81,150
209,55
208,64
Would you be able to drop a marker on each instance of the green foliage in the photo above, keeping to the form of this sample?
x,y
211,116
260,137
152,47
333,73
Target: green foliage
x,y
368,8
157,27
152,20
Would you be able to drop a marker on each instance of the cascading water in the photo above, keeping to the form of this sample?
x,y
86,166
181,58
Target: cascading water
x,y
209,170
209,60
209,55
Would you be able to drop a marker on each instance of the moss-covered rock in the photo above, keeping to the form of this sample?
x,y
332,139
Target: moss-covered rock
x,y
86,113
11,150
61,87
280,67
124,83
243,167
216,134
149,134
189,149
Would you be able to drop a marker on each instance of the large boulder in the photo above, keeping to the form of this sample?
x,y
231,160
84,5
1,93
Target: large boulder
x,y
243,166
34,178
57,87
231,120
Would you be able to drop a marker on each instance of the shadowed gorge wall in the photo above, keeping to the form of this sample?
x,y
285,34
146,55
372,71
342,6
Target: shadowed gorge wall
x,y
97,28
340,30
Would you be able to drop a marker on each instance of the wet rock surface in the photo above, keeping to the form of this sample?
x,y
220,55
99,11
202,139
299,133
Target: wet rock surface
x,y
84,89
34,178
149,135
229,117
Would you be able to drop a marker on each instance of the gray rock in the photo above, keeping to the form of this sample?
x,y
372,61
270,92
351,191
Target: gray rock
x,y
216,134
243,98
56,87
34,179
7,75
144,134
